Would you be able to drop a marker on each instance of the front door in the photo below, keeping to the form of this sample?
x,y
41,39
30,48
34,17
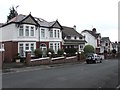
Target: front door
x,y
44,49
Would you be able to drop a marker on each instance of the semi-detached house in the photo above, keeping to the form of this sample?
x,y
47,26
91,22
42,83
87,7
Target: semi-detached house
x,y
23,33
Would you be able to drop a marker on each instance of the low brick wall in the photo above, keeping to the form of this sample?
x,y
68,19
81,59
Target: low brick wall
x,y
47,60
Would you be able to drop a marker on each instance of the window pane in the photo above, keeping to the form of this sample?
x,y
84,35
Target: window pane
x,y
27,31
51,33
58,46
51,46
55,47
58,34
32,48
27,47
21,50
42,32
32,31
21,31
55,33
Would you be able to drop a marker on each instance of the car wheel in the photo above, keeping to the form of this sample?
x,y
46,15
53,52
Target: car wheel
x,y
95,61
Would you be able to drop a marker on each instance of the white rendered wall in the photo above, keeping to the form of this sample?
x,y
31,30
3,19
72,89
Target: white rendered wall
x,y
90,39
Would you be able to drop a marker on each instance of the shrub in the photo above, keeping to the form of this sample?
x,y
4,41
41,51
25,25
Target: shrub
x,y
50,50
70,51
83,55
89,49
60,52
38,53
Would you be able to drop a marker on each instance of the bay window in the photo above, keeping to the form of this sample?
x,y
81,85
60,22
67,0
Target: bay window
x,y
24,46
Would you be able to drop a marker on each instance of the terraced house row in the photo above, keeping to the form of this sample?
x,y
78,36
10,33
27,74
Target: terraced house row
x,y
25,32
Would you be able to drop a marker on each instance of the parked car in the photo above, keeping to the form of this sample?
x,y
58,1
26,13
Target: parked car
x,y
93,58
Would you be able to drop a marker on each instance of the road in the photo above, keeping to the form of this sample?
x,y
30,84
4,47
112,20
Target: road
x,y
102,75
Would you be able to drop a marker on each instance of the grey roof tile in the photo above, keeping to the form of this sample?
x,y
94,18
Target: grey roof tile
x,y
68,31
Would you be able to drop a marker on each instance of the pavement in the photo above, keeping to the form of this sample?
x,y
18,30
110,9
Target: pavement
x,y
21,67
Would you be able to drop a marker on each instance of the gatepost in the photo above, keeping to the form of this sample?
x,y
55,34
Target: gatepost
x,y
64,56
28,57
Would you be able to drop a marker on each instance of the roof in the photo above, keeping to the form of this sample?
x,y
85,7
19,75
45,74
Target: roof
x,y
92,33
39,21
1,24
105,39
68,31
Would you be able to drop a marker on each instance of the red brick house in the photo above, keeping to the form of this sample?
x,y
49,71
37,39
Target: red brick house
x,y
24,33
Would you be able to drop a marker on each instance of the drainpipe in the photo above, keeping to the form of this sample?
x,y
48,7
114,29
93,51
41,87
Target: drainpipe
x,y
39,35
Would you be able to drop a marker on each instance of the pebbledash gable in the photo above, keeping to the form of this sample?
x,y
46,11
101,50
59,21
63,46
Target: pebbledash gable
x,y
23,33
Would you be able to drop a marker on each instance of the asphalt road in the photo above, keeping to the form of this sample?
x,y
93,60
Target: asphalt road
x,y
102,75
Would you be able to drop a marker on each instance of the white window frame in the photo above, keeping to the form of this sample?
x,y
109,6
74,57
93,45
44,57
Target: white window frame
x,y
55,33
32,31
22,30
24,46
51,33
27,35
42,32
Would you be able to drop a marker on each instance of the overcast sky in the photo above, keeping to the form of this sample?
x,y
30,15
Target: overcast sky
x,y
85,14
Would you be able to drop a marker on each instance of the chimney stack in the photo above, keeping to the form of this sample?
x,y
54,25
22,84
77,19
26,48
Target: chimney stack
x,y
94,30
74,27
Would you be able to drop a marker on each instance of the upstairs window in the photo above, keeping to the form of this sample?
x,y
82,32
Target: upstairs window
x,y
42,33
75,37
58,33
55,33
27,31
80,37
51,33
32,31
106,44
21,32
68,37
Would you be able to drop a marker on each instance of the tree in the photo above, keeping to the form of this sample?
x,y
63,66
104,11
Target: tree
x,y
89,49
13,13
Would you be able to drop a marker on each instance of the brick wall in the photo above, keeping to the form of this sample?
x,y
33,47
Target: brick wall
x,y
53,61
11,50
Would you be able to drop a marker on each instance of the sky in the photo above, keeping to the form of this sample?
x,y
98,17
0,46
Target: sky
x,y
85,14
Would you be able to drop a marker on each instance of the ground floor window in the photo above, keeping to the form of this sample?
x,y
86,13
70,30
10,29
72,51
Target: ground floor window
x,y
55,46
21,50
25,46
